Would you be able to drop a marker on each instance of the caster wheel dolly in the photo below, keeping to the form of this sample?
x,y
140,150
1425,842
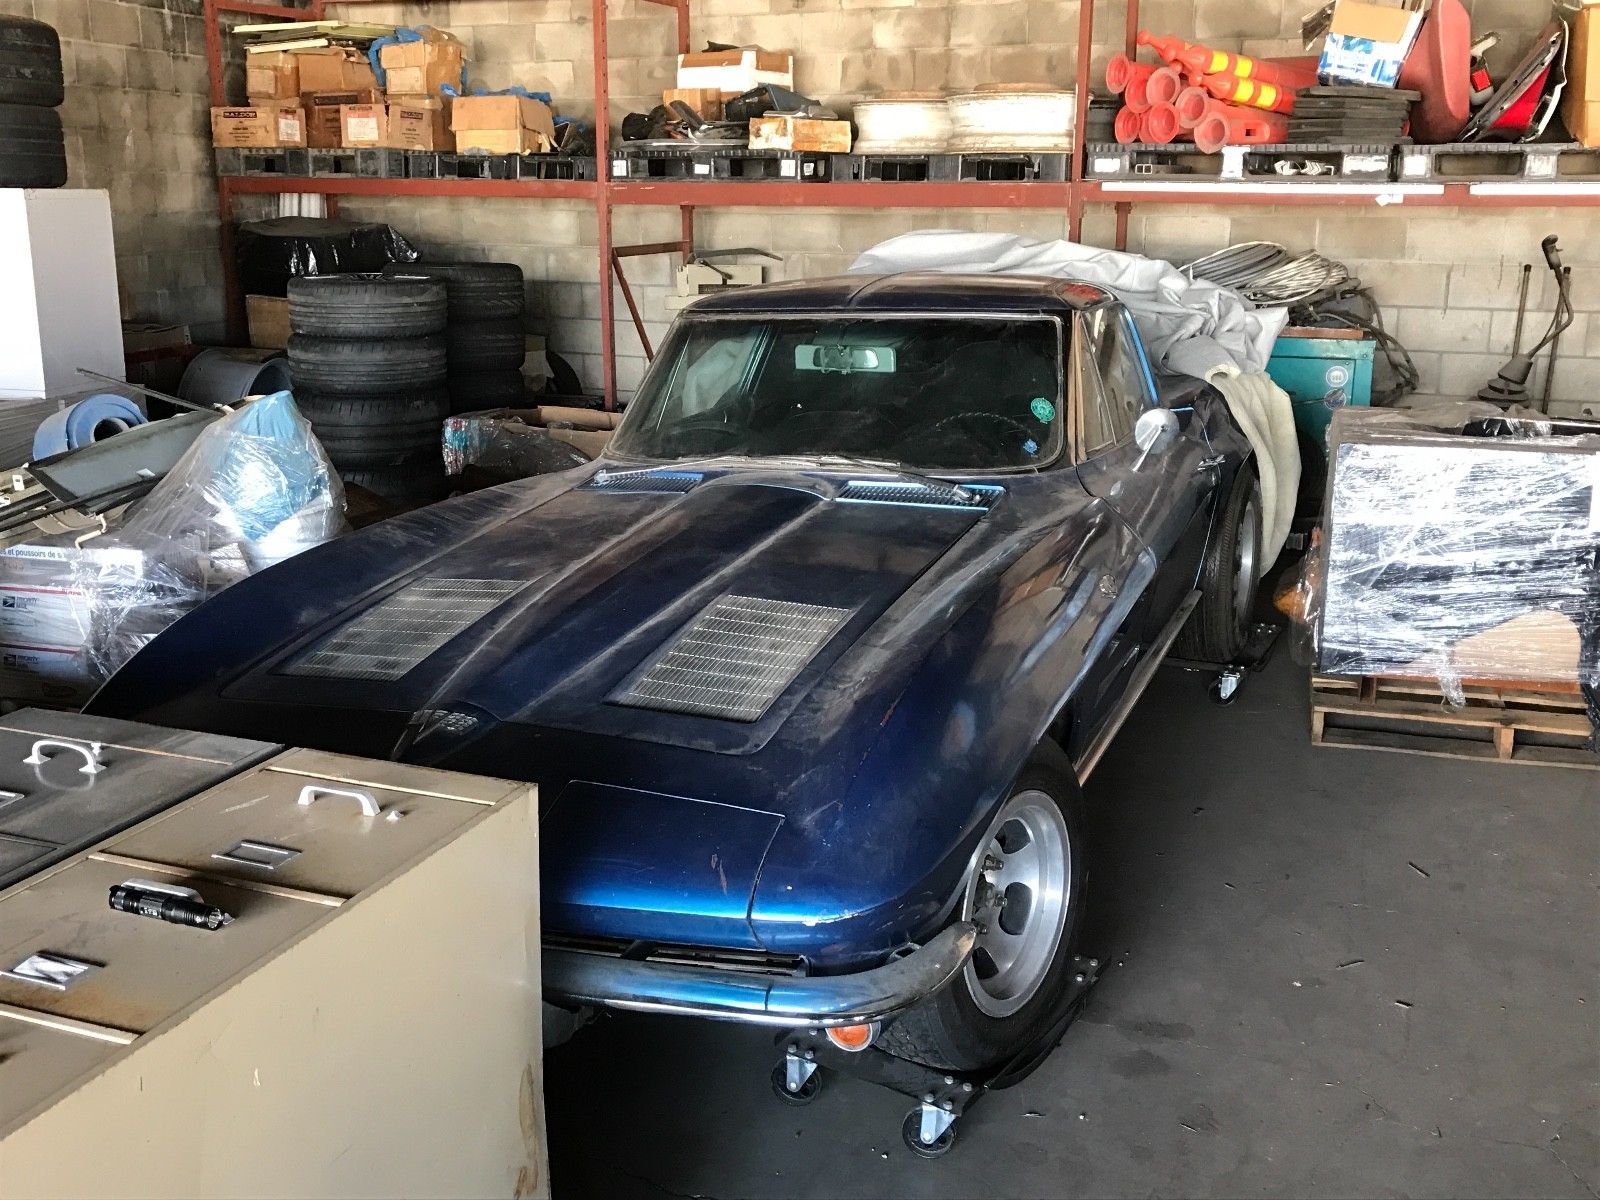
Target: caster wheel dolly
x,y
942,1097
1259,644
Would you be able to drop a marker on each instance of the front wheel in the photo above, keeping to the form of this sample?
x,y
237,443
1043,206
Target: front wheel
x,y
1229,578
1025,891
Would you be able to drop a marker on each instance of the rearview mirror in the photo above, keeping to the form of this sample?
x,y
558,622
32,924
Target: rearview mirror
x,y
1154,431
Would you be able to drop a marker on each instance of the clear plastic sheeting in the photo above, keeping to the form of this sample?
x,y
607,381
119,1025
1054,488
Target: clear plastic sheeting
x,y
1462,543
273,252
255,488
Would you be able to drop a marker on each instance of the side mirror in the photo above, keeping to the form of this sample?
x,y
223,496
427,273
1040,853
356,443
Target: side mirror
x,y
1153,432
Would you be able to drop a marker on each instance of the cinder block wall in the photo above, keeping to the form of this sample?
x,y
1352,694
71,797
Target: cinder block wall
x,y
1447,279
137,123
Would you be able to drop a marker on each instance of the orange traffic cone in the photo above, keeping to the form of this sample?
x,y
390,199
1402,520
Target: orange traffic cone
x,y
1136,96
1122,71
1193,104
1247,92
1230,125
1161,126
1286,72
1163,86
1169,48
1129,126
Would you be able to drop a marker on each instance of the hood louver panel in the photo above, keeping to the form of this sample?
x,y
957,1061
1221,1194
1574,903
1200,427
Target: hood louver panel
x,y
644,481
397,633
736,658
935,493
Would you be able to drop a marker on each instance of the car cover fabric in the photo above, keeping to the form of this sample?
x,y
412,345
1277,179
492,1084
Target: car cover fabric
x,y
1265,413
1189,326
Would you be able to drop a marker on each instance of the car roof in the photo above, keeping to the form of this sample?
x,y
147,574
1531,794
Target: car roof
x,y
909,291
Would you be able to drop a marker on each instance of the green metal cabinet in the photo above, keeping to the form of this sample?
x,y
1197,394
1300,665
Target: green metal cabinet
x,y
1322,374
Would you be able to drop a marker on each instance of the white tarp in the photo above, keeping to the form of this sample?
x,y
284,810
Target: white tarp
x,y
1189,327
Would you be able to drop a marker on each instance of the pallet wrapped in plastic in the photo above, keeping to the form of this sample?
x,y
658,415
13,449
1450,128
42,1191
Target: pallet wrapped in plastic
x,y
1462,543
254,488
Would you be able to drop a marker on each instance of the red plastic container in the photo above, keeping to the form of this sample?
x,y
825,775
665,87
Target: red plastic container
x,y
1163,86
1161,125
1122,71
1129,126
1230,125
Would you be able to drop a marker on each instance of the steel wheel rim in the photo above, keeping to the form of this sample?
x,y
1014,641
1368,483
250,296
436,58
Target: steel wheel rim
x,y
1026,858
1247,544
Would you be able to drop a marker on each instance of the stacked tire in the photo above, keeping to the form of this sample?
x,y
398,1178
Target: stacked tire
x,y
484,339
367,353
33,152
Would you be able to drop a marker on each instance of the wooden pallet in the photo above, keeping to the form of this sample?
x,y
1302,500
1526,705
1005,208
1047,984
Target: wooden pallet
x,y
1504,722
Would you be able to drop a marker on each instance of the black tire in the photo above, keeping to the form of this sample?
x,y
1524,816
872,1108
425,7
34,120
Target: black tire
x,y
564,380
408,485
484,390
1220,624
376,431
366,306
357,367
477,346
949,1031
478,291
30,63
32,150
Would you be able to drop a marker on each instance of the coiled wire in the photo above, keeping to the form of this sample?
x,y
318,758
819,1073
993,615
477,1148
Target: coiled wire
x,y
1266,273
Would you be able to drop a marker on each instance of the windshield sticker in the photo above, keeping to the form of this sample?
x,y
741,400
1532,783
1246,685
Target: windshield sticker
x,y
1030,446
1044,412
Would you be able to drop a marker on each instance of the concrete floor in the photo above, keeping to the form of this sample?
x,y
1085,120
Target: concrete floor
x,y
1329,973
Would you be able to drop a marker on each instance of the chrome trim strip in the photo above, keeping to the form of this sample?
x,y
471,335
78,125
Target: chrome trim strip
x,y
1141,680
577,977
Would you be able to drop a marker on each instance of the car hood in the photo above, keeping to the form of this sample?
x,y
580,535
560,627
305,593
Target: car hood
x,y
538,605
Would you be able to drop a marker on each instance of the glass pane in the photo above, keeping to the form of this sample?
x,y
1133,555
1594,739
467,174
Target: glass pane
x,y
932,393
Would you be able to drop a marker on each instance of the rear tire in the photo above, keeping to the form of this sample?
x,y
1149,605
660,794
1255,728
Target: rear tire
x,y
359,367
1229,578
985,1016
33,152
409,485
376,431
366,306
30,63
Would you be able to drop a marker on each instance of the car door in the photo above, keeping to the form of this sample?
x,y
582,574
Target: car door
x,y
1163,495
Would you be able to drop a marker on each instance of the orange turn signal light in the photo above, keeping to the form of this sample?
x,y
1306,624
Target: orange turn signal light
x,y
853,1037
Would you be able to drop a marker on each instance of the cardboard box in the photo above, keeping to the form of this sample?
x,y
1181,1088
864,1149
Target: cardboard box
x,y
502,125
395,126
1368,41
270,125
799,133
267,318
705,101
274,76
1580,107
438,110
733,72
324,130
422,68
334,69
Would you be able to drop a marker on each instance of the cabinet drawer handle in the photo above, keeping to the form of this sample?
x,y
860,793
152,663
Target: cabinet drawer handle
x,y
91,754
369,803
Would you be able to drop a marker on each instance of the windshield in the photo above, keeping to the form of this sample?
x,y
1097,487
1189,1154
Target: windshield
x,y
928,393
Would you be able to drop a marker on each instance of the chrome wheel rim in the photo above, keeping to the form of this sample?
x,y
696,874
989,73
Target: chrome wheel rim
x,y
1246,548
1019,893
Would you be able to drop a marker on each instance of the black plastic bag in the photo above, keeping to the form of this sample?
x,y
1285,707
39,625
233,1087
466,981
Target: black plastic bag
x,y
273,252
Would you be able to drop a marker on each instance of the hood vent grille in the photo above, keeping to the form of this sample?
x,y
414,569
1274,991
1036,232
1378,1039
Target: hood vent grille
x,y
735,658
398,632
934,494
644,481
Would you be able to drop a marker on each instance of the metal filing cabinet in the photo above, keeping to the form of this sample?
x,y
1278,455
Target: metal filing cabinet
x,y
67,780
368,1023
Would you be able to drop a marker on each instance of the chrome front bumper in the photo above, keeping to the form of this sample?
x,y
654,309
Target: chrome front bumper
x,y
577,977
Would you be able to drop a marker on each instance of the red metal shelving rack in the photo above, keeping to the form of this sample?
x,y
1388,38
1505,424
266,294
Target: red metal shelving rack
x,y
1073,196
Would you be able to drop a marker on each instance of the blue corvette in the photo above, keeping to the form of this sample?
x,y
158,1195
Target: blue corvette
x,y
809,666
